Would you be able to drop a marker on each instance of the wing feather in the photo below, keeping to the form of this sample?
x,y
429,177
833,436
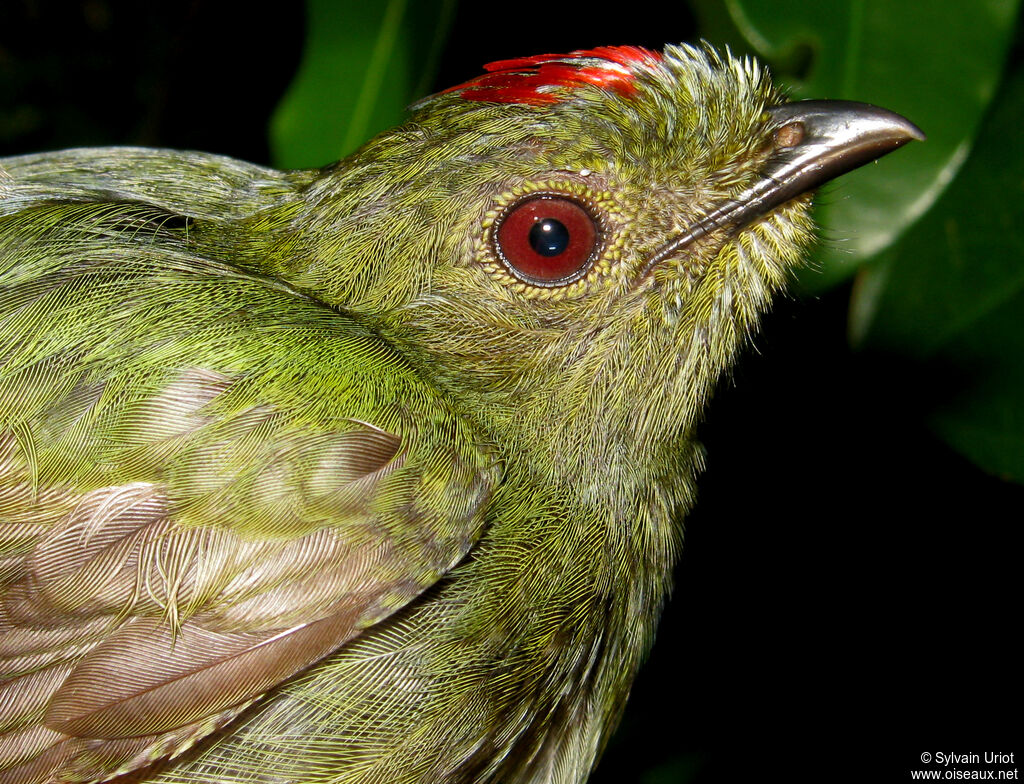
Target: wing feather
x,y
188,676
207,483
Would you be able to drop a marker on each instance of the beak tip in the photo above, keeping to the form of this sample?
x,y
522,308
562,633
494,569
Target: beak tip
x,y
886,129
917,133
912,132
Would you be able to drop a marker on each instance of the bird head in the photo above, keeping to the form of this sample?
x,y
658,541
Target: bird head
x,y
575,246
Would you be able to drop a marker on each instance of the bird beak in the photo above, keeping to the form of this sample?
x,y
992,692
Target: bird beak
x,y
814,142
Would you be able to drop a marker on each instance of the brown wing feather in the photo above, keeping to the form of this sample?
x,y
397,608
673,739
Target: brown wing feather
x,y
182,678
118,630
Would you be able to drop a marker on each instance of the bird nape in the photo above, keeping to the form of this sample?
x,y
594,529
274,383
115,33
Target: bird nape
x,y
376,472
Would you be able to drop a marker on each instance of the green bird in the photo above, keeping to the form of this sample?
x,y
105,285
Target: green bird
x,y
376,472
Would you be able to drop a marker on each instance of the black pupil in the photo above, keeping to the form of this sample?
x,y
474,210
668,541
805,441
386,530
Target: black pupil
x,y
549,237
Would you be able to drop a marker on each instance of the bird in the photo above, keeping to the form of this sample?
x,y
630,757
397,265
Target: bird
x,y
377,472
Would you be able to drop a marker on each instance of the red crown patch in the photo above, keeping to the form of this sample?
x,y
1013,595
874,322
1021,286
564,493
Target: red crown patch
x,y
527,79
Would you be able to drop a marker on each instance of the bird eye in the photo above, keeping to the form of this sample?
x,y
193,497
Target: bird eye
x,y
547,240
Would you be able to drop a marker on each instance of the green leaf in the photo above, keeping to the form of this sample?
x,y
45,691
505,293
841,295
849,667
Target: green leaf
x,y
937,63
951,294
363,64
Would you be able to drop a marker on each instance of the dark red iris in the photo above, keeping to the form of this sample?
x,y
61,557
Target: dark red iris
x,y
547,240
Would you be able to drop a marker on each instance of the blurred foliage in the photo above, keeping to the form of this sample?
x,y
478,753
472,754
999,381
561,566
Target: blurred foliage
x,y
951,293
362,65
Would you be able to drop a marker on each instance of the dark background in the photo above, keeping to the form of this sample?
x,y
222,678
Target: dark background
x,y
849,593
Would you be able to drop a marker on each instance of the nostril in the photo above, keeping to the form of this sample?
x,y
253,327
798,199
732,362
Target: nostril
x,y
789,135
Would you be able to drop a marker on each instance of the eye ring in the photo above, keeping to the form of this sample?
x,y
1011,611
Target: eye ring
x,y
547,239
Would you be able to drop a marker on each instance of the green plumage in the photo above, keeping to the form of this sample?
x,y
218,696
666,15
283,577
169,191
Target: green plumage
x,y
301,481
